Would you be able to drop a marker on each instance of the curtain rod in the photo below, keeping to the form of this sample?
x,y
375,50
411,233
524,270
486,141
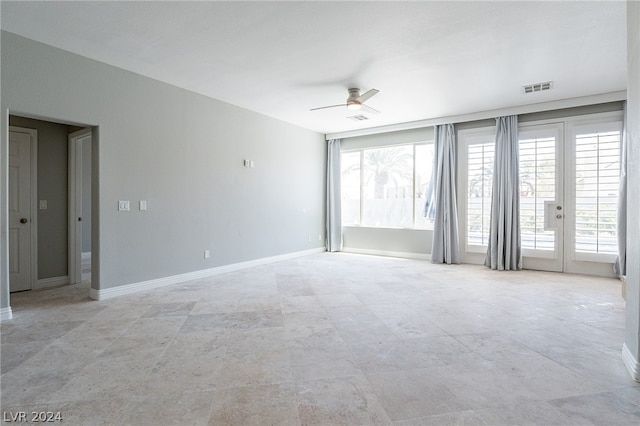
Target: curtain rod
x,y
517,110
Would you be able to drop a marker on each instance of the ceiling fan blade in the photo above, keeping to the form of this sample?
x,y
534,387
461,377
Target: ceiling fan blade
x,y
330,106
366,108
362,98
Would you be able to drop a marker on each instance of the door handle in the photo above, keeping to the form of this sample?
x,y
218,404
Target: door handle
x,y
558,216
24,220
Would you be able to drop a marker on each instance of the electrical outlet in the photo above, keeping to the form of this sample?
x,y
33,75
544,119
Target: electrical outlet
x,y
123,206
207,254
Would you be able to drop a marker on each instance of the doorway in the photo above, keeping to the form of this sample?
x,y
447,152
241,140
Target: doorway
x,y
569,183
49,257
80,206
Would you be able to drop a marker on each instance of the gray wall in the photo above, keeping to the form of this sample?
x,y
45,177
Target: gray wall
x,y
570,112
52,186
424,134
182,153
388,240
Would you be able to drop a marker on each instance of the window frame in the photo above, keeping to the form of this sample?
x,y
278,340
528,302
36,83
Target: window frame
x,y
557,129
466,137
361,151
575,127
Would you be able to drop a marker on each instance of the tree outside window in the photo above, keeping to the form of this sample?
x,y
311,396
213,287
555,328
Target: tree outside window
x,y
392,183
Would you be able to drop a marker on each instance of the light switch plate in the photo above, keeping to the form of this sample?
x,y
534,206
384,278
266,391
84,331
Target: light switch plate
x,y
143,204
123,206
43,204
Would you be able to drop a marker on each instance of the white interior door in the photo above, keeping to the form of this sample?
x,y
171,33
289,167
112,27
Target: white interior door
x,y
76,142
20,210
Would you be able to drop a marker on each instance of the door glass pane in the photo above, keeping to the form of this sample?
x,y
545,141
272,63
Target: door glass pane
x,y
350,188
479,186
537,185
597,184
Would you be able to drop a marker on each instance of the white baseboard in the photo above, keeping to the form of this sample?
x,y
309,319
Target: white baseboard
x,y
5,314
51,282
632,364
122,290
406,255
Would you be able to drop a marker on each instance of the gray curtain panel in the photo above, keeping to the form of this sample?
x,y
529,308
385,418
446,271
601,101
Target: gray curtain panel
x,y
620,266
504,247
334,211
441,198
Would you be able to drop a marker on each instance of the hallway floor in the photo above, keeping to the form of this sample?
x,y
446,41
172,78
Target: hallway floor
x,y
327,339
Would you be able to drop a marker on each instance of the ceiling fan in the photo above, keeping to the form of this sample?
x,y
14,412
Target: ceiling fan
x,y
355,101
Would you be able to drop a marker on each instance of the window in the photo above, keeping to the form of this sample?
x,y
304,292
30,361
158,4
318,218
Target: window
x,y
597,180
386,186
475,177
350,187
479,187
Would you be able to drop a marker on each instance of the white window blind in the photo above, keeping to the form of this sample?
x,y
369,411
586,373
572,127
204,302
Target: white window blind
x,y
537,185
597,180
479,187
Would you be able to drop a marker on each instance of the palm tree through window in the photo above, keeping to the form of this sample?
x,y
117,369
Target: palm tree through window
x,y
385,187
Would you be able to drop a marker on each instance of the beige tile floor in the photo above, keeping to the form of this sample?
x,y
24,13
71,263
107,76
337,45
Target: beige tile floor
x,y
327,339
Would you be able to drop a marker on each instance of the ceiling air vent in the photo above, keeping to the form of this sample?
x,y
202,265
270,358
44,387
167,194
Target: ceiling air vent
x,y
358,117
537,87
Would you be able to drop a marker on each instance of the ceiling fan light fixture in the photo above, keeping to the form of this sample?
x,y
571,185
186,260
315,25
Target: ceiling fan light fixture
x,y
355,101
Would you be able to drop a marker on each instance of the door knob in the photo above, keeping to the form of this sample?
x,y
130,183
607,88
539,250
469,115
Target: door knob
x,y
558,216
24,220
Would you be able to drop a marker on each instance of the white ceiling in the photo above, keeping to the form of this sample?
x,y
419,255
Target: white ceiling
x,y
428,59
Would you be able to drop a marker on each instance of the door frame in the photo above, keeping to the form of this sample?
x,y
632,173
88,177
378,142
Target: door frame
x,y
476,254
33,211
541,260
76,140
600,264
594,267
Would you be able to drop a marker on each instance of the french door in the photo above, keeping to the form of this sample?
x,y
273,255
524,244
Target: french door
x,y
569,183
